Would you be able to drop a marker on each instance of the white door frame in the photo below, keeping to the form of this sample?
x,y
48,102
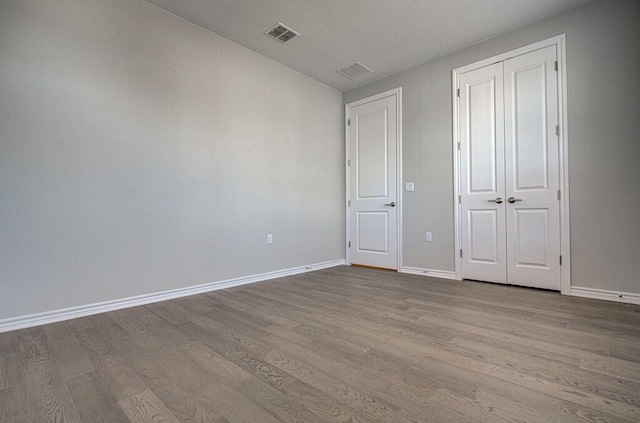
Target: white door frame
x,y
397,92
559,43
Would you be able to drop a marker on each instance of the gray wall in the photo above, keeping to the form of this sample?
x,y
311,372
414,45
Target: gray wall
x,y
603,55
140,153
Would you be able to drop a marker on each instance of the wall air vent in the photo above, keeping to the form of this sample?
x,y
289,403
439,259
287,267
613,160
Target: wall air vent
x,y
282,33
354,71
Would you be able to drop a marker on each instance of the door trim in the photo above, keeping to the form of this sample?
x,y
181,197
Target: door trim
x,y
397,92
565,244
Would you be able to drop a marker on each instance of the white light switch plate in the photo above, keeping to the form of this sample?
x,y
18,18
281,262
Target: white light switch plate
x,y
409,187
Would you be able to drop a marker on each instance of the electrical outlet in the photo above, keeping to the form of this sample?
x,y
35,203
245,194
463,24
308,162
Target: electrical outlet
x,y
269,239
428,237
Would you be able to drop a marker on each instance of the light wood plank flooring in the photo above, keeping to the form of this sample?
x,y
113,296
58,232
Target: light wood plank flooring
x,y
337,345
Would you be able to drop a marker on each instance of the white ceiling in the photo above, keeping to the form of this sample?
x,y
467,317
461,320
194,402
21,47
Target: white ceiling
x,y
388,36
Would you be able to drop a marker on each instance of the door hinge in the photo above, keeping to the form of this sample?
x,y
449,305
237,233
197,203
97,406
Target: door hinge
x,y
556,65
560,260
458,145
348,162
348,122
458,92
459,199
460,252
349,244
557,129
348,203
559,196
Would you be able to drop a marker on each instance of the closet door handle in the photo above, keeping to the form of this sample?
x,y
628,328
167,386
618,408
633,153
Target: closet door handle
x,y
391,204
497,200
513,199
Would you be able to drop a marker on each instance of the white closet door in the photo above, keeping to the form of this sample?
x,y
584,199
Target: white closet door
x,y
509,172
482,174
532,170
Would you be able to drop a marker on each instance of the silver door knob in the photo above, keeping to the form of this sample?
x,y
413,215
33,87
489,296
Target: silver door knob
x,y
497,200
391,204
513,199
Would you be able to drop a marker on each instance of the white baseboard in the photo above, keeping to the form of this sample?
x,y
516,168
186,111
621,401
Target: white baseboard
x,y
38,319
443,274
603,294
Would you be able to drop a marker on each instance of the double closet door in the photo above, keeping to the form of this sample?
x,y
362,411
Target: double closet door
x,y
509,171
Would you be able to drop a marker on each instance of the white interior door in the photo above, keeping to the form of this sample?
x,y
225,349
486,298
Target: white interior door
x,y
532,170
373,195
509,171
482,174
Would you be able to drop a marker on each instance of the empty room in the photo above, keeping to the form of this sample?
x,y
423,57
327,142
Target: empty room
x,y
319,211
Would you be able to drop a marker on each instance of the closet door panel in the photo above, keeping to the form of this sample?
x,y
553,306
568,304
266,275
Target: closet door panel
x,y
532,170
481,120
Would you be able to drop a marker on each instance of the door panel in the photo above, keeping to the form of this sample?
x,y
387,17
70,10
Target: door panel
x,y
532,170
482,136
373,232
483,228
482,174
531,241
373,183
371,159
529,127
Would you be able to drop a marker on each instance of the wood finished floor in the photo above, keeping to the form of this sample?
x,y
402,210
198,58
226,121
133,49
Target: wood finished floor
x,y
337,345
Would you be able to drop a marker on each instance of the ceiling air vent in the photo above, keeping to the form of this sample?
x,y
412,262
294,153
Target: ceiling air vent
x,y
354,71
282,32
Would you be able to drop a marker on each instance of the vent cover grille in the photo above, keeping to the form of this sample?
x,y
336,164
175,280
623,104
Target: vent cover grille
x,y
282,33
354,71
